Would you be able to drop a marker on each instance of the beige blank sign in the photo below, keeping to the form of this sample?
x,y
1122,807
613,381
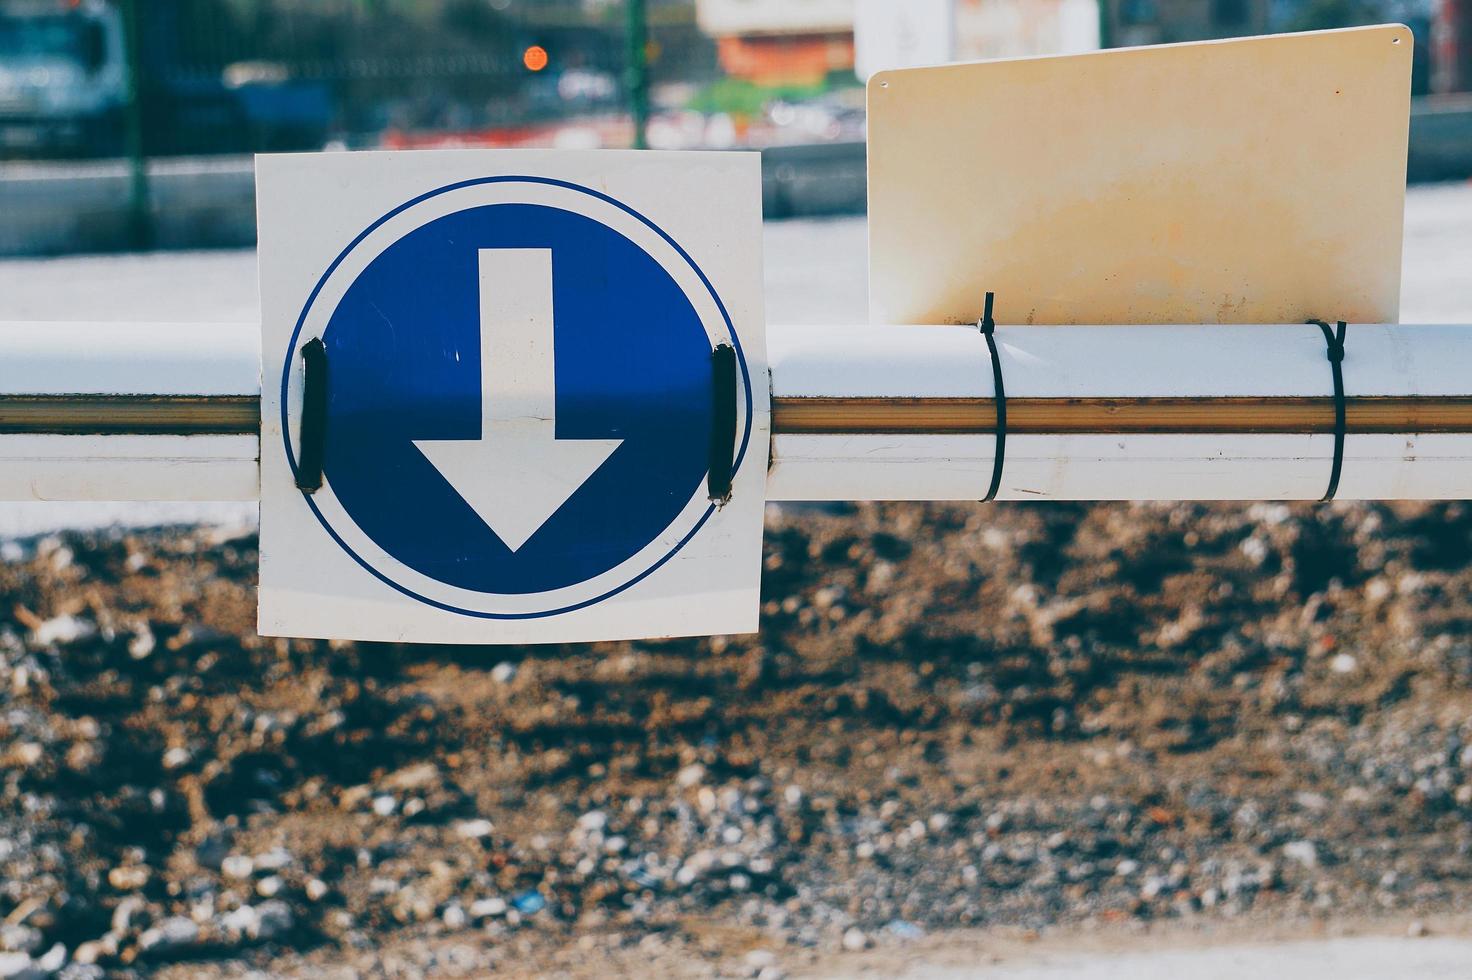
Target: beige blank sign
x,y
1249,181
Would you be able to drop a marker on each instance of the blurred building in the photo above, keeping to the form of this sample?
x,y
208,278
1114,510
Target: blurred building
x,y
1131,22
781,42
591,33
1451,46
1441,60
1021,28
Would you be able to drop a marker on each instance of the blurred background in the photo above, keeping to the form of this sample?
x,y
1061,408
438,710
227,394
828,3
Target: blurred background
x,y
128,124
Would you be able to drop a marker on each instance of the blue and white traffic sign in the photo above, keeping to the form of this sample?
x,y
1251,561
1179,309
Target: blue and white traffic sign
x,y
516,433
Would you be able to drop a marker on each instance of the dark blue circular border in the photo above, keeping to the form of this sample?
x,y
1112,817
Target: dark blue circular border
x,y
567,185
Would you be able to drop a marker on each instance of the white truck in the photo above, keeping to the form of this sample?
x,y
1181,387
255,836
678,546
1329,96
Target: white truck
x,y
63,78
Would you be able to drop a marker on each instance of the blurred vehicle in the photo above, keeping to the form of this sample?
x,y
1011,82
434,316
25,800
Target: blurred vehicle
x,y
587,86
279,112
64,86
198,105
63,77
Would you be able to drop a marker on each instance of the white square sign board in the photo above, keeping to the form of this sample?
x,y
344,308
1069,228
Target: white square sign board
x,y
518,415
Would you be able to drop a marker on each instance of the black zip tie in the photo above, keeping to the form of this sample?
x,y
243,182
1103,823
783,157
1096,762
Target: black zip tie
x,y
722,423
988,330
1334,338
314,417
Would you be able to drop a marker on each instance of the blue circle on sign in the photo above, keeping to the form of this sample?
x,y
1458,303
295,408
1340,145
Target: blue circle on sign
x,y
632,363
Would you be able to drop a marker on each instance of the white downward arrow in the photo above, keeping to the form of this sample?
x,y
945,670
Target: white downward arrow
x,y
518,473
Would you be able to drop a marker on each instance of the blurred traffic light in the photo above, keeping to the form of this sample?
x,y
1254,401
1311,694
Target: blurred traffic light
x,y
535,58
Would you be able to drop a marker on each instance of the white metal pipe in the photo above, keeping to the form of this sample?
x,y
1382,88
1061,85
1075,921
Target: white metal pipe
x,y
1153,361
919,362
1081,362
129,467
201,360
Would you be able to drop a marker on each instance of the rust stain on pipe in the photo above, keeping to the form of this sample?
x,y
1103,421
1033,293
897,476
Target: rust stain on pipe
x,y
240,415
1107,416
130,415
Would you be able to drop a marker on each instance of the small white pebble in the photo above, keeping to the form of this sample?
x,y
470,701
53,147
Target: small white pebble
x,y
237,866
474,829
760,959
1302,851
483,908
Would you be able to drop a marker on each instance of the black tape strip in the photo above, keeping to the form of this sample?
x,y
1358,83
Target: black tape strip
x,y
989,330
314,417
1334,338
722,423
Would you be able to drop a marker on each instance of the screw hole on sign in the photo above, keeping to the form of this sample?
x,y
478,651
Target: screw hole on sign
x,y
884,85
1395,40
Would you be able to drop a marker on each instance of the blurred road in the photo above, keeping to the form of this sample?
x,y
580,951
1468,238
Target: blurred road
x,y
815,274
1436,274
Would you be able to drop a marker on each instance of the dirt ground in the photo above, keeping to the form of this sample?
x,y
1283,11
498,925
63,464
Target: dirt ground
x,y
1012,718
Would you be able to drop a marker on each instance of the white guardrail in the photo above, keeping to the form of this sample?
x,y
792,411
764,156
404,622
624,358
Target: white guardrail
x,y
148,411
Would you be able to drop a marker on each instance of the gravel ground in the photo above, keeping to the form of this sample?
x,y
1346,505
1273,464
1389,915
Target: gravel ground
x,y
1025,720
1023,716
